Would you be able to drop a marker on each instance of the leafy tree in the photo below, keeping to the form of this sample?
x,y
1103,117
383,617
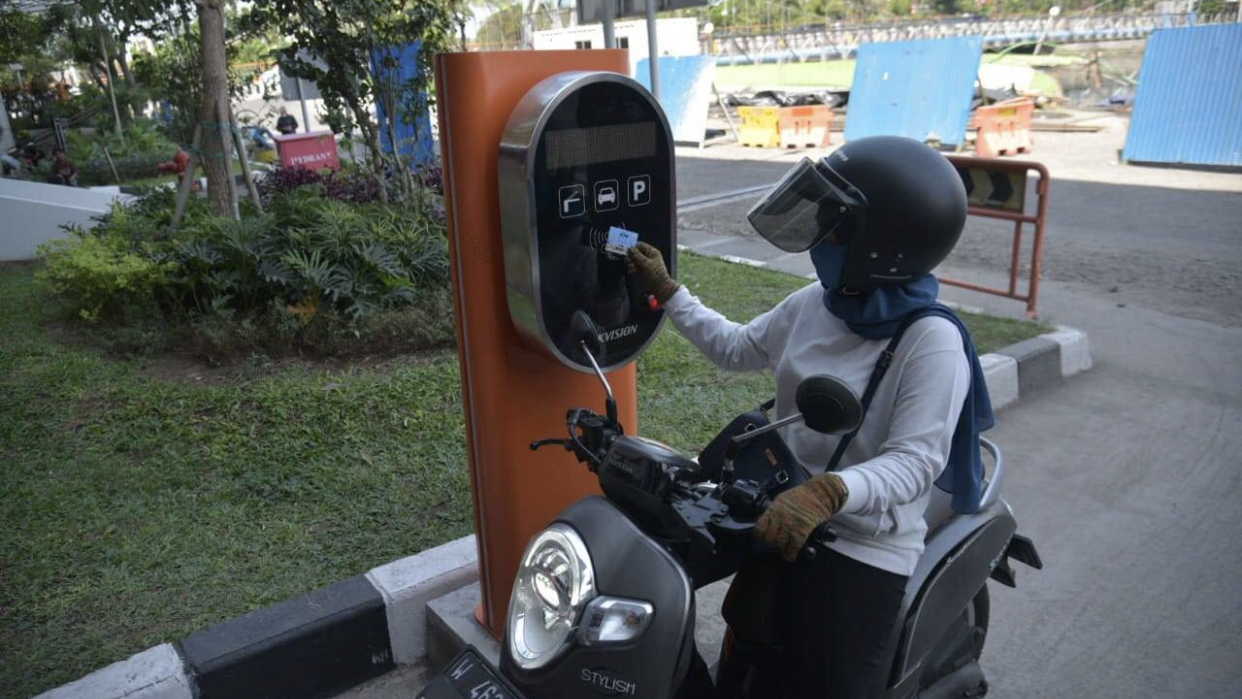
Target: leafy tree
x,y
173,73
333,42
503,27
899,8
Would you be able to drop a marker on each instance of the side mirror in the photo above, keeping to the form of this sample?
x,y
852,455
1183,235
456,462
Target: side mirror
x,y
824,403
828,405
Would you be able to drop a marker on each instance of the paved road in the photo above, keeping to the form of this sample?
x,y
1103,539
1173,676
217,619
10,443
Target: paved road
x,y
1162,238
1129,478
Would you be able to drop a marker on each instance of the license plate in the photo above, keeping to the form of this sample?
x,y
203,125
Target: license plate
x,y
472,677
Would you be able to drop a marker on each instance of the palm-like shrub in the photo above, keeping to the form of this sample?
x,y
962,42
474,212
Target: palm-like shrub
x,y
306,263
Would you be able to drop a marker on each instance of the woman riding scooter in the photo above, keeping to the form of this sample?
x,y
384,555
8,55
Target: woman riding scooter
x,y
877,216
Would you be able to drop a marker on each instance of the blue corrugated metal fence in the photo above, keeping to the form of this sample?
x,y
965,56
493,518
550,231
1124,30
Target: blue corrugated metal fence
x,y
914,89
1188,107
398,64
685,91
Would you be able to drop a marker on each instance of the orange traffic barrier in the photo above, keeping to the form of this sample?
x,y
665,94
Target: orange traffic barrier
x,y
760,126
805,127
1004,128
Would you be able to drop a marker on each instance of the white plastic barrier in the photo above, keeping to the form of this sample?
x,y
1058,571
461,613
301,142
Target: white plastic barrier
x,y
32,213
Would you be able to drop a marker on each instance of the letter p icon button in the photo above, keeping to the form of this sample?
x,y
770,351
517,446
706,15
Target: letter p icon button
x,y
639,190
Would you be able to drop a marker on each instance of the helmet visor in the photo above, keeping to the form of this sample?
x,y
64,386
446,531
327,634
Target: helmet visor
x,y
802,209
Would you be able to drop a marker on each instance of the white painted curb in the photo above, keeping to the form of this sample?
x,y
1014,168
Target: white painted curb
x,y
743,261
155,673
410,583
1075,350
1001,375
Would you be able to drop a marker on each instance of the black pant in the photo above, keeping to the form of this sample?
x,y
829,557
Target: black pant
x,y
833,619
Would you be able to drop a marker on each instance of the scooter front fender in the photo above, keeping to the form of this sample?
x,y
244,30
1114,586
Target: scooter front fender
x,y
627,563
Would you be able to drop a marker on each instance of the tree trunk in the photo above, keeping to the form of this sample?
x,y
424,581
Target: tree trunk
x,y
370,136
215,89
371,133
131,108
122,59
96,72
390,106
103,50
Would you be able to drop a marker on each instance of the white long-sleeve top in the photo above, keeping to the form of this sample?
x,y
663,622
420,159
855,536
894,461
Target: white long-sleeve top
x,y
903,444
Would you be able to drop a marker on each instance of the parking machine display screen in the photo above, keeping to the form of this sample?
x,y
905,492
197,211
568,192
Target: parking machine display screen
x,y
605,184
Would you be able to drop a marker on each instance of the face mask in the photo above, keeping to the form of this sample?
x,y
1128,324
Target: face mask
x,y
829,261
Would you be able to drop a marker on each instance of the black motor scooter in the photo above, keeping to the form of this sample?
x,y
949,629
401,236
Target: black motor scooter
x,y
604,603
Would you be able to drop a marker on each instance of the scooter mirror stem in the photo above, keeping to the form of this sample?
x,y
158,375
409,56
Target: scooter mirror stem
x,y
611,402
738,439
747,436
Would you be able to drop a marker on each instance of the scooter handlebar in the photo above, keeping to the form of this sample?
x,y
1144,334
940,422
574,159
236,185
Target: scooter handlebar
x,y
819,538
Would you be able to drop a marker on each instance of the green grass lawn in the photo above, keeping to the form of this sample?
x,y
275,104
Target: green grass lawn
x,y
837,73
138,508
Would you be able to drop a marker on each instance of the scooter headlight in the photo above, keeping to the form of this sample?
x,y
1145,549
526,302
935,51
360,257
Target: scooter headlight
x,y
554,583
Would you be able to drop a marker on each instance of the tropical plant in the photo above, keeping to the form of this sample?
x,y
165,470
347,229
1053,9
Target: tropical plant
x,y
100,275
305,257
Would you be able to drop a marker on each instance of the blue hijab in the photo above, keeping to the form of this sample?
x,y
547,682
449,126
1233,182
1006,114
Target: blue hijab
x,y
878,314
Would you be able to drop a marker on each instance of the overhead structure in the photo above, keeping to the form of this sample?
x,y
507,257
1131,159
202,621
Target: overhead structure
x,y
825,42
606,11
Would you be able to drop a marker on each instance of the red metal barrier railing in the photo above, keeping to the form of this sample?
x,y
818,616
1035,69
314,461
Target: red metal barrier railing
x,y
987,205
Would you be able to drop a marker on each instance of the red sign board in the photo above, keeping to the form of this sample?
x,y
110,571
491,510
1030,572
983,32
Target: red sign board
x,y
314,151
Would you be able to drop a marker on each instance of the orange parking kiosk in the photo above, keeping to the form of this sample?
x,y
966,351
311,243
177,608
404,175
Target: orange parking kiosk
x,y
552,161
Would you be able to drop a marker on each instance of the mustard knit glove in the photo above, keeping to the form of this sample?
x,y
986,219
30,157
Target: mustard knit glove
x,y
646,262
789,521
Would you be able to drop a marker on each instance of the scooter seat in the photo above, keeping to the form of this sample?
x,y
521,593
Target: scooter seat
x,y
940,510
940,506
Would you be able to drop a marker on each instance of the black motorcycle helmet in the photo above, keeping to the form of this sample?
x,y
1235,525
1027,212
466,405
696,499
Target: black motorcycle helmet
x,y
895,204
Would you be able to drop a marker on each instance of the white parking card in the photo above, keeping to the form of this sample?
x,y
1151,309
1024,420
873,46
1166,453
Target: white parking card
x,y
620,241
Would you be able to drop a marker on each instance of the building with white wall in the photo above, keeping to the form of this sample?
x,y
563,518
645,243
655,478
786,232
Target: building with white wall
x,y
675,36
33,213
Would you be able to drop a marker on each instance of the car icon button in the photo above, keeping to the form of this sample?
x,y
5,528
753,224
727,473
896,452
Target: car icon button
x,y
607,195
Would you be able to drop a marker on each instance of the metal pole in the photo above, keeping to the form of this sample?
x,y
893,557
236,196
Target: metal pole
x,y
653,51
305,113
610,32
